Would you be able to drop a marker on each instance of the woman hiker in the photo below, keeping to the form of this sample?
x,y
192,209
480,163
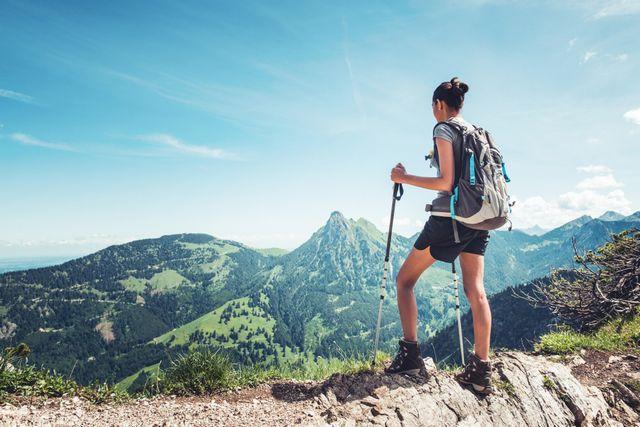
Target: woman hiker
x,y
436,242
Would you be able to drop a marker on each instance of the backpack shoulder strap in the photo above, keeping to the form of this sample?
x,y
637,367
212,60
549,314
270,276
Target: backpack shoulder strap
x,y
457,160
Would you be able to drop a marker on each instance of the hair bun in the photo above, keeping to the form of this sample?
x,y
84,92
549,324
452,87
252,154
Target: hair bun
x,y
451,92
456,83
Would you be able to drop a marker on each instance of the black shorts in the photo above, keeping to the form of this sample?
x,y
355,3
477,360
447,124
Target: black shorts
x,y
438,234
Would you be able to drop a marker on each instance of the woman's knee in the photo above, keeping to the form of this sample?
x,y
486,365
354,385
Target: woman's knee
x,y
405,282
413,267
475,293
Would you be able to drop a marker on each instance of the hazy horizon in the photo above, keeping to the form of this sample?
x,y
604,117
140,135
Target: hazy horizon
x,y
78,247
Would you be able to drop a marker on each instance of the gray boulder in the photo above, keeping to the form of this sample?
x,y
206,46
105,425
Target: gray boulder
x,y
530,391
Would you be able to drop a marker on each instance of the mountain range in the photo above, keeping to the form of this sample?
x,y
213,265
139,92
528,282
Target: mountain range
x,y
114,314
536,230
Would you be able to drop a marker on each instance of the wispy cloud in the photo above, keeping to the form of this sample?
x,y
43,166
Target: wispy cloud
x,y
226,103
611,57
178,145
166,140
357,99
100,239
17,96
596,9
616,8
588,56
590,196
632,116
598,182
274,106
572,42
256,240
25,139
594,202
538,210
61,247
594,169
402,225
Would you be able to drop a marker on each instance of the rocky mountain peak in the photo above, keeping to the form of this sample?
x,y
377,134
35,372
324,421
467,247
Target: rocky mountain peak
x,y
534,230
569,226
580,220
336,219
611,216
633,217
336,228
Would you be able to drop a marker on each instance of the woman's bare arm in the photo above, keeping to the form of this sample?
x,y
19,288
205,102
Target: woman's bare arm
x,y
442,183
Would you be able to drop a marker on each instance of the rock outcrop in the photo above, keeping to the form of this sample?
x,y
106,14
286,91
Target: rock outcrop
x,y
530,391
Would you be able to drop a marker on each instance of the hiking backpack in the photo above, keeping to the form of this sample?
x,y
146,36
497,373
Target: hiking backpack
x,y
479,199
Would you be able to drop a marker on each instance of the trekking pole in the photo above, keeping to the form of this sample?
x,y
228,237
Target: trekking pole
x,y
455,284
397,194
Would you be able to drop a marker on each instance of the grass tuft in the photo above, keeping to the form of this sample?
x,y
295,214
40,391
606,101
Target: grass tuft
x,y
506,386
617,335
548,383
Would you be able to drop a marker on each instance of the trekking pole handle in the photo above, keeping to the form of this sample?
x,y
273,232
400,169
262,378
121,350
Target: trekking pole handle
x,y
398,191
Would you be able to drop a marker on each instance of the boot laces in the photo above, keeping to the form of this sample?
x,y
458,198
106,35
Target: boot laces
x,y
473,367
400,357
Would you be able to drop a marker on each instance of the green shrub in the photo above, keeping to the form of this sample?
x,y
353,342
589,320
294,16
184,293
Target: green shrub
x,y
19,379
30,381
605,285
198,372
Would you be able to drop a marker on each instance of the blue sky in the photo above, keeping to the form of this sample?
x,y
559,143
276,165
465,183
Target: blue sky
x,y
255,120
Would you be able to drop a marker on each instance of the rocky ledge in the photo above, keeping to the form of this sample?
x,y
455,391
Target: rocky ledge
x,y
530,391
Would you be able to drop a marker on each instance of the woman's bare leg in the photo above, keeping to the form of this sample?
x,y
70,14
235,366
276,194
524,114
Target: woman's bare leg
x,y
472,266
415,264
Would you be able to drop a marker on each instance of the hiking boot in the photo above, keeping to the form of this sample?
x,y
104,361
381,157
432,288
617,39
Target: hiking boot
x,y
408,360
477,373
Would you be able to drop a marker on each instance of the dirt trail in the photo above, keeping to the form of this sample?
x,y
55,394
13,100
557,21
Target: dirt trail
x,y
250,407
530,391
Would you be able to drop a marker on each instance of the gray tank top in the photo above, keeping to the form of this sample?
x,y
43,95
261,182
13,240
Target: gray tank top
x,y
448,134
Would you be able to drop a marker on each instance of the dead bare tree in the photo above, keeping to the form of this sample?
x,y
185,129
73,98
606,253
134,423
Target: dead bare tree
x,y
606,284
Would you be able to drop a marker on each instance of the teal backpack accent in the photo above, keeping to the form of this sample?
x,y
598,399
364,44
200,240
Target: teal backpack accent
x,y
472,169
